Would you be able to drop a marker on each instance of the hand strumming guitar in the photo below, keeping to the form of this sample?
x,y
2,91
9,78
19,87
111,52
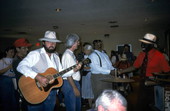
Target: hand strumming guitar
x,y
44,81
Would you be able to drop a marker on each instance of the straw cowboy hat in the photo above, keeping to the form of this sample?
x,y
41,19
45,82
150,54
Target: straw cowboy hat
x,y
149,39
50,36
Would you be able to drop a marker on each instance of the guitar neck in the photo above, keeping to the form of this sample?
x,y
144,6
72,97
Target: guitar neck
x,y
86,61
64,71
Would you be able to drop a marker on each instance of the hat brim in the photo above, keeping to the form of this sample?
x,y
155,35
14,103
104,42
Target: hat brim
x,y
23,45
49,40
147,42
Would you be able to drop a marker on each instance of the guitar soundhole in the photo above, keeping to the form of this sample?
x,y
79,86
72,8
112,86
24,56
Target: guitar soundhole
x,y
47,88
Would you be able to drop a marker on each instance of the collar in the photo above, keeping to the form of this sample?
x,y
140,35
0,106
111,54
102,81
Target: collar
x,y
69,50
99,51
42,50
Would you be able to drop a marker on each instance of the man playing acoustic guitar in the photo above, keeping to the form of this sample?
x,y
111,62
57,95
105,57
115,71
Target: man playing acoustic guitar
x,y
35,63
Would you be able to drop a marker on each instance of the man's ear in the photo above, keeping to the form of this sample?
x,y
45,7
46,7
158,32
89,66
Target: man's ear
x,y
43,42
100,108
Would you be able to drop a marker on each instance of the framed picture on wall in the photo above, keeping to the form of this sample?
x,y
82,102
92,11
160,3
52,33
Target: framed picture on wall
x,y
120,47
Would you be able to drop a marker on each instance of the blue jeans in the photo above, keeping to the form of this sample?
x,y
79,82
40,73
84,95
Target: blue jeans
x,y
47,105
72,102
159,97
8,100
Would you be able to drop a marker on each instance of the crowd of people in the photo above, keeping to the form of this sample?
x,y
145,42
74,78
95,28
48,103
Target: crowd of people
x,y
83,81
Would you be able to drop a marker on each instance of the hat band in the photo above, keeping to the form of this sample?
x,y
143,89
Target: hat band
x,y
149,40
50,38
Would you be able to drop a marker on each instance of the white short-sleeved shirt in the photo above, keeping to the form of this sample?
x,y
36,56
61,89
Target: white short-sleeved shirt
x,y
68,60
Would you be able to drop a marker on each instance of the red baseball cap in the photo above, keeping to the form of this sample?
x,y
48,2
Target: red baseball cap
x,y
22,42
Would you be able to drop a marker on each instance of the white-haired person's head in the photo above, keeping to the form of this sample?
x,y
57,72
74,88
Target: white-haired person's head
x,y
87,48
71,39
111,100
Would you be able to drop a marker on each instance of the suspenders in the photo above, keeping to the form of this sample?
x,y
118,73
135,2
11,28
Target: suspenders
x,y
99,59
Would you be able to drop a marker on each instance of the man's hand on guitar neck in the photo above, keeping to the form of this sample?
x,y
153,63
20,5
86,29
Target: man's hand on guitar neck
x,y
78,67
44,81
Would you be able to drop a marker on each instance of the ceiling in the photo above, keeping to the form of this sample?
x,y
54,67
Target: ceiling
x,y
31,18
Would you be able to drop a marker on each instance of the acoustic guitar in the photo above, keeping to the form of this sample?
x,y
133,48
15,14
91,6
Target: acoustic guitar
x,y
34,93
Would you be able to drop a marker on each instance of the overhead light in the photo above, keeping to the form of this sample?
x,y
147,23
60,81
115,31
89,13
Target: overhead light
x,y
113,26
146,19
106,35
22,33
55,27
58,9
111,22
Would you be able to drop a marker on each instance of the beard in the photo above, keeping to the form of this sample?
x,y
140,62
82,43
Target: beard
x,y
48,50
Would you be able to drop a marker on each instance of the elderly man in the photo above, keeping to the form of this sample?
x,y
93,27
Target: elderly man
x,y
38,61
101,68
111,100
71,86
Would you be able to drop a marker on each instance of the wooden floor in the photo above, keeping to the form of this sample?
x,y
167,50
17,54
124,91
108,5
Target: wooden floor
x,y
131,99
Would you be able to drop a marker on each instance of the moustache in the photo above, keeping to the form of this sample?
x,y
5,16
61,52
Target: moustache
x,y
51,47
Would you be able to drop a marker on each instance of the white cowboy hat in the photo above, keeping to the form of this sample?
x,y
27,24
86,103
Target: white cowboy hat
x,y
149,39
50,36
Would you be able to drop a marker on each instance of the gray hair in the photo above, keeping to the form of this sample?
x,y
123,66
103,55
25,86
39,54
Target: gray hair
x,y
71,39
88,47
109,95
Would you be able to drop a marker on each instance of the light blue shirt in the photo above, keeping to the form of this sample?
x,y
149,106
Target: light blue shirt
x,y
105,63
